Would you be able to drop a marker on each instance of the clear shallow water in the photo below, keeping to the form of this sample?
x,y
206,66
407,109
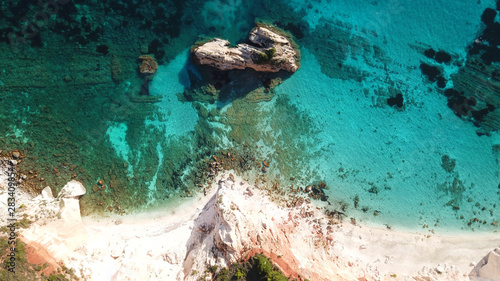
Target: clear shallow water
x,y
329,121
398,152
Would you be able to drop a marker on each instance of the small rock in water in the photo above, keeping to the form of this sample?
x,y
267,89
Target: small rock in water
x,y
16,154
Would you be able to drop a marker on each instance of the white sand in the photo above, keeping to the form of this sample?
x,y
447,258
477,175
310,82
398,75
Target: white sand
x,y
178,244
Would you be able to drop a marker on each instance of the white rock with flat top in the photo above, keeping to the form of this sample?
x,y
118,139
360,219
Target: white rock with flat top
x,y
72,189
268,52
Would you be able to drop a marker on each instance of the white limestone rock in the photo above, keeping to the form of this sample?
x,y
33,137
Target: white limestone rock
x,y
72,189
47,193
488,269
270,52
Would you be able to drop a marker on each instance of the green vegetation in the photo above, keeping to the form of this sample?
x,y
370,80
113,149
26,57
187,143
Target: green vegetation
x,y
57,277
240,274
263,265
261,58
24,223
264,57
270,53
259,267
25,270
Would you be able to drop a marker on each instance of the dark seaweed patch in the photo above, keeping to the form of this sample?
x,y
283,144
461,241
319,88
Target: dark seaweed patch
x,y
4,32
297,29
491,54
459,105
103,49
147,24
479,115
488,16
441,82
430,53
492,34
442,57
431,72
396,101
36,41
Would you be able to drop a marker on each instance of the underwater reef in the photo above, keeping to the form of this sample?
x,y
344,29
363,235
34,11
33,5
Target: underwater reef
x,y
475,94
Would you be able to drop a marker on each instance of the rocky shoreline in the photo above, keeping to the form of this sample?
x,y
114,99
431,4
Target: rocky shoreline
x,y
233,221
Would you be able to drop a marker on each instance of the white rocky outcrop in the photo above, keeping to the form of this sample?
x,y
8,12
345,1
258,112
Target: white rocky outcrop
x,y
240,221
269,52
47,193
488,269
56,224
59,228
72,189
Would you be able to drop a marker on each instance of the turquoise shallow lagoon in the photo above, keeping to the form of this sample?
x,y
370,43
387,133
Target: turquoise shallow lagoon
x,y
401,136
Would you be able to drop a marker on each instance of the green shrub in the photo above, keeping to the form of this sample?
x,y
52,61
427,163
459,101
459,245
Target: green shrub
x,y
24,223
240,275
264,266
259,267
270,53
260,58
57,277
275,275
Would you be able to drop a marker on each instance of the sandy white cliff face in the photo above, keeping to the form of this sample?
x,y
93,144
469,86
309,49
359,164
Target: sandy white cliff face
x,y
269,52
240,221
488,269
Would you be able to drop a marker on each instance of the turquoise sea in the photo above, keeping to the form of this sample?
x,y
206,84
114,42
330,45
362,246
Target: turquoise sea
x,y
395,106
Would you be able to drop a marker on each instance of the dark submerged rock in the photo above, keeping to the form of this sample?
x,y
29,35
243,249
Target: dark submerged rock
x,y
430,71
103,49
488,16
441,82
430,53
492,34
396,101
442,57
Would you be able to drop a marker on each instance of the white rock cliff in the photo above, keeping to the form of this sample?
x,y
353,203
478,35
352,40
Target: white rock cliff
x,y
488,269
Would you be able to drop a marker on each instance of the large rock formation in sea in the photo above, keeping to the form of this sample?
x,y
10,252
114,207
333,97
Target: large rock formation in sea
x,y
268,52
